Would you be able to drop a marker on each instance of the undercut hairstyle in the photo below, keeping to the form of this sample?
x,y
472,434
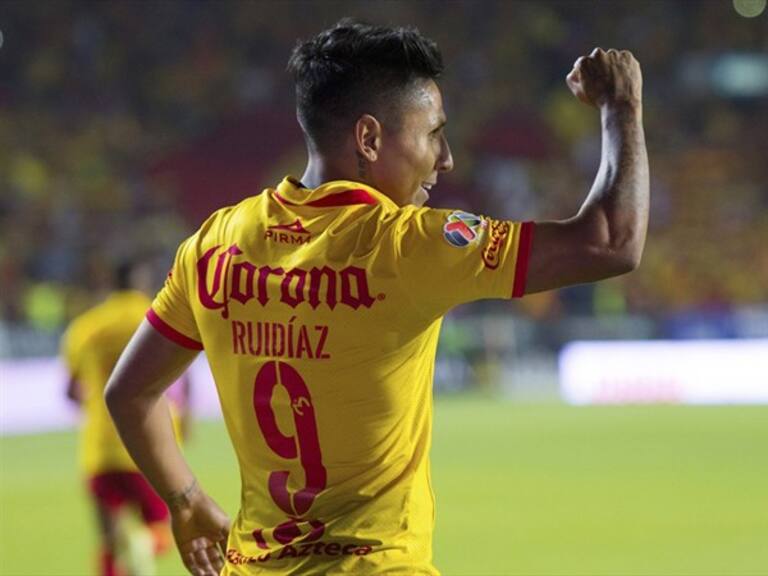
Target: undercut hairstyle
x,y
354,69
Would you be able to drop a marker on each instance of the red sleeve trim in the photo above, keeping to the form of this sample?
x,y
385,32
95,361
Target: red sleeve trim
x,y
523,254
171,333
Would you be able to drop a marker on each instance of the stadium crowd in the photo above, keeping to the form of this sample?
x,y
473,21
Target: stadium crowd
x,y
124,124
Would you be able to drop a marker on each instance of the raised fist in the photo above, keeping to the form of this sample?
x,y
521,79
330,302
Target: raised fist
x,y
607,78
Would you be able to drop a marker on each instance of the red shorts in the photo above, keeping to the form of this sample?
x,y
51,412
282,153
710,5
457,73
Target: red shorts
x,y
116,489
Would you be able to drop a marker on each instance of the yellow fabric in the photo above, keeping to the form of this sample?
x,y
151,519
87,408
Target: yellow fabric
x,y
320,324
91,347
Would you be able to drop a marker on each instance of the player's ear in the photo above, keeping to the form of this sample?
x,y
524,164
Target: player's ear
x,y
368,137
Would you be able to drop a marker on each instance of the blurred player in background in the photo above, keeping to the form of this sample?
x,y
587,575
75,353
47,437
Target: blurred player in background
x,y
319,304
91,347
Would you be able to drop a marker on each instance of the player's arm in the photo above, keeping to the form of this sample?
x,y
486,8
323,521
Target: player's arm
x,y
134,396
74,390
607,236
71,347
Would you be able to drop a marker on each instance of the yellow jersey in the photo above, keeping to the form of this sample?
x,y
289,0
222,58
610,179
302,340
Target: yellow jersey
x,y
90,348
319,311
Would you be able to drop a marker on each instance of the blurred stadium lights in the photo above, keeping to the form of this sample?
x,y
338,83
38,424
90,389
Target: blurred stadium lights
x,y
734,75
741,75
672,371
749,8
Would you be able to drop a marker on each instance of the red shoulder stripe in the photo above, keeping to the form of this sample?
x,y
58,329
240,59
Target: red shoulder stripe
x,y
171,333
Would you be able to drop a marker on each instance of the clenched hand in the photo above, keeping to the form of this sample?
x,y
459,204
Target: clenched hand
x,y
607,78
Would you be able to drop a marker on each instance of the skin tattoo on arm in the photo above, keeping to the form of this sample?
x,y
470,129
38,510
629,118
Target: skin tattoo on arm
x,y
180,498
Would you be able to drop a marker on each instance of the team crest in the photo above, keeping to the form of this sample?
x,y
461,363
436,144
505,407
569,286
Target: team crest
x,y
462,228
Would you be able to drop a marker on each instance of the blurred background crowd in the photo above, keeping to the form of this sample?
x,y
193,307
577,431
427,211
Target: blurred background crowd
x,y
123,124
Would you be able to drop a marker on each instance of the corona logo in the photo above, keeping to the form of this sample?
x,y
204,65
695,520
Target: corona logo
x,y
242,281
496,237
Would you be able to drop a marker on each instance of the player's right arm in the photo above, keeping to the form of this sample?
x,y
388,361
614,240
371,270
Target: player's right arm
x,y
162,347
607,236
134,396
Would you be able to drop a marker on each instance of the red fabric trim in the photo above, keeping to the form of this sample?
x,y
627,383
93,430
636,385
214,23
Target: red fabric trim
x,y
171,333
283,200
346,198
523,254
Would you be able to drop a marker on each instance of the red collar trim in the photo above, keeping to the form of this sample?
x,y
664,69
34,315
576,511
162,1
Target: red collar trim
x,y
346,198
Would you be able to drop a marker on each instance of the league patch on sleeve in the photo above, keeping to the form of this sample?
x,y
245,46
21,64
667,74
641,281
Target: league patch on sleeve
x,y
499,232
463,228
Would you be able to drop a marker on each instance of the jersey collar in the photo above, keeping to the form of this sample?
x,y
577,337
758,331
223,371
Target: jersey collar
x,y
291,192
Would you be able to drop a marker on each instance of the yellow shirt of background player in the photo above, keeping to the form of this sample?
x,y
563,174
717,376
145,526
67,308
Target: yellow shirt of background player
x,y
319,311
91,347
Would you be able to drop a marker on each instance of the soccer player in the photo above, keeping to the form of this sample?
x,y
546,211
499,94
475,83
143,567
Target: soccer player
x,y
319,301
90,348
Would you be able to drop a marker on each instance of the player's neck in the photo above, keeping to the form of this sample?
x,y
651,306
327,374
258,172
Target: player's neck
x,y
319,171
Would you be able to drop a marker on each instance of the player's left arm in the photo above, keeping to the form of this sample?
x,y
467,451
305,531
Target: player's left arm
x,y
74,390
71,345
607,236
134,396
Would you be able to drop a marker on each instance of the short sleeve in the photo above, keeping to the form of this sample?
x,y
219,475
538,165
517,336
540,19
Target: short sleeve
x,y
450,257
171,312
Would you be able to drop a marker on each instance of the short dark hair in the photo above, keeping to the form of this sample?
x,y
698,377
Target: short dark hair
x,y
354,68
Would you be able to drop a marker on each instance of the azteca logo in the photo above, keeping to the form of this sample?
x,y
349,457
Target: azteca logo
x,y
462,228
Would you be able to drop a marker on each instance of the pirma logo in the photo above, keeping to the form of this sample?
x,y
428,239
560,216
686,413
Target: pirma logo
x,y
462,228
293,233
